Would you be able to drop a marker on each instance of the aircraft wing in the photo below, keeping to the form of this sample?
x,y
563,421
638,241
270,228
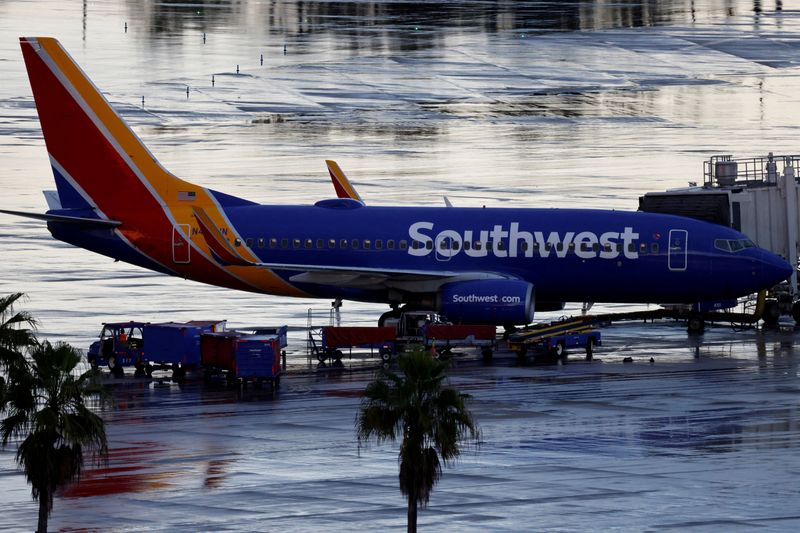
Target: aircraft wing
x,y
377,278
81,221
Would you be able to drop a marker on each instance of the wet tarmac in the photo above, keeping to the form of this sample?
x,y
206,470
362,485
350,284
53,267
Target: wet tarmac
x,y
574,104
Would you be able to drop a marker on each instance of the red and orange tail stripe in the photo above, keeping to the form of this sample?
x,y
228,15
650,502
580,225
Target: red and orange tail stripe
x,y
343,187
108,164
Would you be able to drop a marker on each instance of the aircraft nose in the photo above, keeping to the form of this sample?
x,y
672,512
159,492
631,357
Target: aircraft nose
x,y
774,269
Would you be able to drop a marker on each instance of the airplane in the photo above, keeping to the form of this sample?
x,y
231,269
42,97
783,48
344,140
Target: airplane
x,y
473,265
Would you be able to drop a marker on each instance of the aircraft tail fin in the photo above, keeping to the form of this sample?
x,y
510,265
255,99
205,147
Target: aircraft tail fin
x,y
344,189
98,161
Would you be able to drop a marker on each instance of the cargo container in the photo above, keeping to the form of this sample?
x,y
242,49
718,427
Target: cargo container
x,y
239,356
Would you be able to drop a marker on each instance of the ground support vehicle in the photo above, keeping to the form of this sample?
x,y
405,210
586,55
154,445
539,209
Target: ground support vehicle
x,y
121,344
444,337
331,340
148,347
551,341
176,345
241,357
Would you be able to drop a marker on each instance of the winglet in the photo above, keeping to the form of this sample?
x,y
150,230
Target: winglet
x,y
344,189
217,243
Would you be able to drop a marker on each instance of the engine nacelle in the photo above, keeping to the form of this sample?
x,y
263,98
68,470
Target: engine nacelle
x,y
490,301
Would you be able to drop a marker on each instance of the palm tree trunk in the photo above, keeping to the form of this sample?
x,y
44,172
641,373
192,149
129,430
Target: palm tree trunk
x,y
412,513
43,499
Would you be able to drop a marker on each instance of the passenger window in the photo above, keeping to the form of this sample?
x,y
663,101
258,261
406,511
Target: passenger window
x,y
607,247
379,244
571,247
524,246
536,246
249,242
273,243
444,244
455,245
403,245
643,248
596,246
586,247
367,244
631,247
309,243
320,244
654,248
284,243
477,245
261,242
429,245
390,244
332,243
501,245
489,245
354,244
237,242
343,244
548,246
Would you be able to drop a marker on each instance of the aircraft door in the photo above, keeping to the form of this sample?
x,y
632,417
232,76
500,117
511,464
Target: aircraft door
x,y
678,249
180,246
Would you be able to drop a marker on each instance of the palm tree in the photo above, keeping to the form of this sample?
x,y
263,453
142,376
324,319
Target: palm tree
x,y
44,404
431,417
16,332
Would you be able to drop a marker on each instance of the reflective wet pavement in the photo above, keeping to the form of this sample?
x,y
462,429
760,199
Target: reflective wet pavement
x,y
704,439
578,104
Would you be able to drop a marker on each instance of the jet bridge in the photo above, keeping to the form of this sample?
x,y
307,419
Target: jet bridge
x,y
758,196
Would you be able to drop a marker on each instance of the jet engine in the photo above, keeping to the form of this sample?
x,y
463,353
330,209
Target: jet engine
x,y
501,302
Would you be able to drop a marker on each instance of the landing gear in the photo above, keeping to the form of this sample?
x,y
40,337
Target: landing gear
x,y
394,314
772,312
696,324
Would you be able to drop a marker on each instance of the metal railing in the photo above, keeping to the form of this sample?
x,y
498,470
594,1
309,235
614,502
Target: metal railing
x,y
727,171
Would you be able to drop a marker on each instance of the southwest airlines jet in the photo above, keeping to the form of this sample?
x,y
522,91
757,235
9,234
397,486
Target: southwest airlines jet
x,y
475,265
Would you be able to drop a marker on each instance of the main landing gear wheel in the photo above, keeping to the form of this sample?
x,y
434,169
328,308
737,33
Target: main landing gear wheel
x,y
772,313
386,355
695,325
394,313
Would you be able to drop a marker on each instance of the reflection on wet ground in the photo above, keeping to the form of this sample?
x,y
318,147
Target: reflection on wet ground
x,y
706,436
551,104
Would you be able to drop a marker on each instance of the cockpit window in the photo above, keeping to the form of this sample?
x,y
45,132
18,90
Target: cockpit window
x,y
733,245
